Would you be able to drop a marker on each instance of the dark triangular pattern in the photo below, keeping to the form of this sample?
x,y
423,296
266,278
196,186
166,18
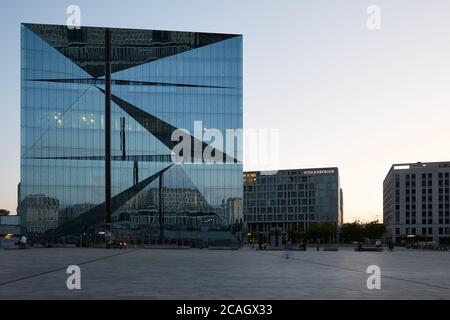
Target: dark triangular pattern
x,y
130,47
129,83
97,214
161,129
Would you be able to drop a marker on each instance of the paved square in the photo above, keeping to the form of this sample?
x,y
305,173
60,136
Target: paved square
x,y
222,274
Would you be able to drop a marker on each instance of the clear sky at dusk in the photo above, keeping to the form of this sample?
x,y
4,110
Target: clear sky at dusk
x,y
340,94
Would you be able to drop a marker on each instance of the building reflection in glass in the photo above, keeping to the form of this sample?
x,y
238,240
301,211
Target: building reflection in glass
x,y
161,81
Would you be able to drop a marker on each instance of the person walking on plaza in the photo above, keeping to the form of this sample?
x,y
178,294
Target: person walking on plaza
x,y
378,245
23,242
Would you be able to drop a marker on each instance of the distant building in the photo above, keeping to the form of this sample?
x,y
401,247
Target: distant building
x,y
39,213
149,218
173,200
9,225
182,208
284,199
416,203
9,230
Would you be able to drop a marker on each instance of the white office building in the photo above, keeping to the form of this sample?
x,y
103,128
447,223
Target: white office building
x,y
416,204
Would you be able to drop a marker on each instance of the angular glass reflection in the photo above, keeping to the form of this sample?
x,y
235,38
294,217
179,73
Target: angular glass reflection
x,y
177,78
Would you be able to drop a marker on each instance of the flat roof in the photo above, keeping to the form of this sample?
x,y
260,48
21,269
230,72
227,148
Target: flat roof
x,y
403,166
417,165
306,171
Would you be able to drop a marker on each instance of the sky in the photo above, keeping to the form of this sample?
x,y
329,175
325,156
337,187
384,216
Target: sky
x,y
339,93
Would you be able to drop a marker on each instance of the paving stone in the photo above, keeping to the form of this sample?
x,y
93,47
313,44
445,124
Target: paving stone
x,y
223,274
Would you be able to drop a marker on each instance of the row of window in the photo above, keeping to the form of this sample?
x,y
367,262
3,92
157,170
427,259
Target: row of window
x,y
285,195
428,206
428,183
255,210
429,221
279,187
296,179
424,191
279,217
424,198
425,175
425,231
279,202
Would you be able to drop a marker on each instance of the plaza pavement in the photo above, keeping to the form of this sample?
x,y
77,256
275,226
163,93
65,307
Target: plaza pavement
x,y
222,274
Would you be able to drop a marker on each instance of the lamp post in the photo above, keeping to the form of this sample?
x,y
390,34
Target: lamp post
x,y
108,134
161,211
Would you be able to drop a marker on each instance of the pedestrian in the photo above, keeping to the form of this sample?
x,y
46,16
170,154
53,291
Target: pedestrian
x,y
378,245
23,242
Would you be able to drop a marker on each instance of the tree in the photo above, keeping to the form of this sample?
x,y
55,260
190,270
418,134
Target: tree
x,y
351,232
296,234
4,212
312,232
357,231
325,231
374,230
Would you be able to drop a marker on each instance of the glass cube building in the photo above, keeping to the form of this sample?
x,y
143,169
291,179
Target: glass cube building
x,y
161,82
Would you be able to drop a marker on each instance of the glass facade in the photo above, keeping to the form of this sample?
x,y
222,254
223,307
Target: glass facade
x,y
161,81
290,198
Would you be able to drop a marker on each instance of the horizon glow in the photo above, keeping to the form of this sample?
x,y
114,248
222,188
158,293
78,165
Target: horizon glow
x,y
340,94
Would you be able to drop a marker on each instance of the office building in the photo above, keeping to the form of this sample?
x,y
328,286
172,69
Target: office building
x,y
9,230
101,114
416,202
284,199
